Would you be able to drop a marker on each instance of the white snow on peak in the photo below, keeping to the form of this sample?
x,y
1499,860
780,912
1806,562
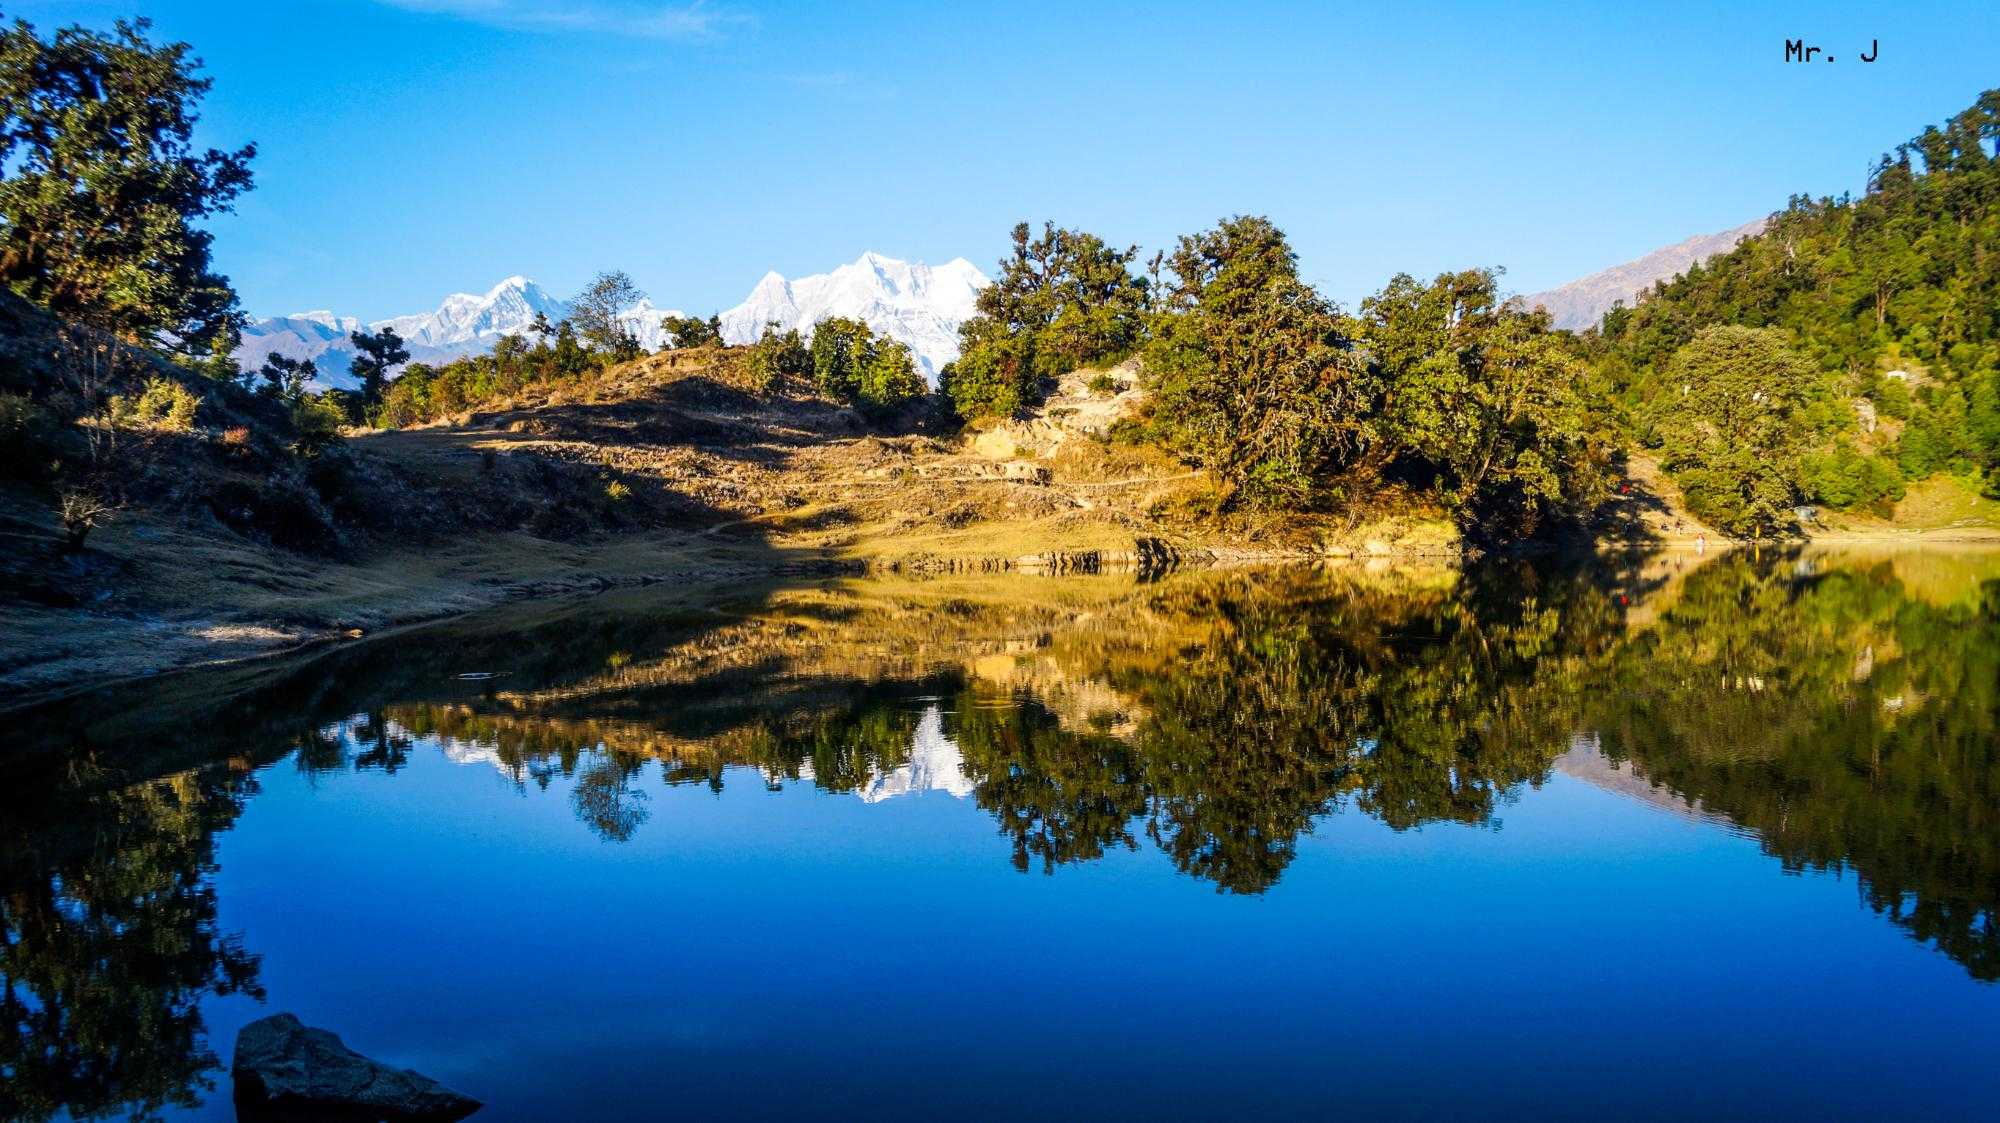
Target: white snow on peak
x,y
911,302
917,304
463,324
645,320
463,318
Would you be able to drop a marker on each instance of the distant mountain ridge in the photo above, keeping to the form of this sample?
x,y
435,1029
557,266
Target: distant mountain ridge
x,y
1583,302
911,302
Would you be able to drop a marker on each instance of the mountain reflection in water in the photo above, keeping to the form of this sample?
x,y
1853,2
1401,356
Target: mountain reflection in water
x,y
1840,710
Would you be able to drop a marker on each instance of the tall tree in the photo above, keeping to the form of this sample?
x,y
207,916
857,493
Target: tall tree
x,y
889,379
101,187
1487,399
378,352
841,348
1254,373
594,313
286,378
1733,426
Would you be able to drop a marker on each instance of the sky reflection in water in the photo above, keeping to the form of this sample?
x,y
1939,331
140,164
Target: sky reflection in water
x,y
1652,838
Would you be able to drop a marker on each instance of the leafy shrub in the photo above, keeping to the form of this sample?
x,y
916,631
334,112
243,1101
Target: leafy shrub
x,y
889,380
1843,478
164,406
317,420
691,331
776,357
994,376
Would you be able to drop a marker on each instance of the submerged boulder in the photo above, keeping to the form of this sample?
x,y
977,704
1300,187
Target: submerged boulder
x,y
287,1070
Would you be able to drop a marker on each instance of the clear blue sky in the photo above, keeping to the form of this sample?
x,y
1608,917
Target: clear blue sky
x,y
410,148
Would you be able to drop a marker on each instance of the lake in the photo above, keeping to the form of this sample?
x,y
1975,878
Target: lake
x,y
1646,837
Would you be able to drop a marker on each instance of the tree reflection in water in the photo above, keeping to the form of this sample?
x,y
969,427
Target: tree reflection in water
x,y
1844,712
108,917
1845,718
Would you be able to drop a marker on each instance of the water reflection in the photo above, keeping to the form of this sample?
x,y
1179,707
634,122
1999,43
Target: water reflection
x,y
1841,710
108,913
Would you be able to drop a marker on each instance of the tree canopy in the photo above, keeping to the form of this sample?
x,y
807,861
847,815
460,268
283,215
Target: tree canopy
x,y
1254,374
1486,400
378,352
595,313
1063,300
102,189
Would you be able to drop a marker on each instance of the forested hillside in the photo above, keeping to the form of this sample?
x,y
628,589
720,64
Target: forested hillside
x,y
1870,327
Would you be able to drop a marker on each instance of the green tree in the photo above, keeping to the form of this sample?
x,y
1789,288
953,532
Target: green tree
x,y
378,351
692,331
1732,426
1062,301
889,379
1900,278
568,358
286,378
218,364
1253,373
994,375
102,189
1488,398
841,348
779,356
595,314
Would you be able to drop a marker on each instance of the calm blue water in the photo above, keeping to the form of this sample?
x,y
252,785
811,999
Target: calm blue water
x,y
1293,849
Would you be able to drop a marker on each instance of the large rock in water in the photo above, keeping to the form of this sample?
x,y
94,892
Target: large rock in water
x,y
287,1070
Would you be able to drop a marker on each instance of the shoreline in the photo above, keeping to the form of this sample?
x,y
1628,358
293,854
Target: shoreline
x,y
128,647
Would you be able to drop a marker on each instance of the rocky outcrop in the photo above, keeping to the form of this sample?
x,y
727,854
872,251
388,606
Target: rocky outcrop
x,y
287,1070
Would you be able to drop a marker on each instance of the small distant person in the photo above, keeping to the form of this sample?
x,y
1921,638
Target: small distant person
x,y
1701,543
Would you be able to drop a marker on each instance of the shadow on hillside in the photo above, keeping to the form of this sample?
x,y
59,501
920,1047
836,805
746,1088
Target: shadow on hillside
x,y
1641,513
695,411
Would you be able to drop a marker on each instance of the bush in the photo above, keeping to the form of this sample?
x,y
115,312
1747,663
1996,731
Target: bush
x,y
317,420
164,406
1843,478
993,377
889,380
80,511
1103,385
776,357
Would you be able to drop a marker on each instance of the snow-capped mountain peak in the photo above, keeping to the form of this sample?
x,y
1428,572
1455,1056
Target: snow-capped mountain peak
x,y
509,306
463,324
920,305
911,302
